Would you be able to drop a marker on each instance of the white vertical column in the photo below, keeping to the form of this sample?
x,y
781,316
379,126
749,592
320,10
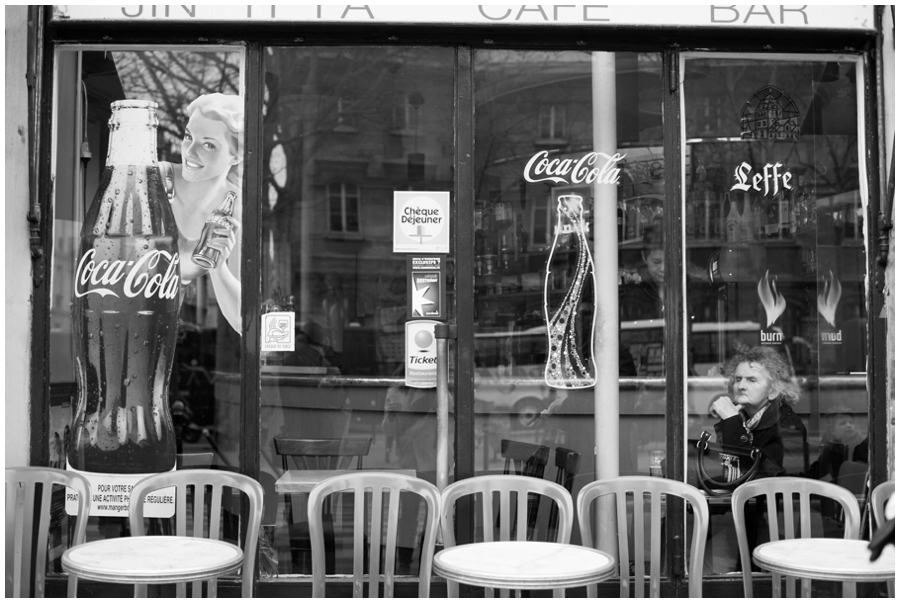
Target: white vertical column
x,y
606,293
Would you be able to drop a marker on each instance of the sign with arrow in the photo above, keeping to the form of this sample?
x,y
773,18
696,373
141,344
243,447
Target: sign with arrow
x,y
421,222
426,287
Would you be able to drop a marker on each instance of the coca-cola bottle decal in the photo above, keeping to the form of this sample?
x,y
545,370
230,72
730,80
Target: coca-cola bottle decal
x,y
125,308
568,300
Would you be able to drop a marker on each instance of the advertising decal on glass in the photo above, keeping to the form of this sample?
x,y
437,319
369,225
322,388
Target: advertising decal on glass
x,y
774,305
278,332
770,115
125,316
426,291
421,354
421,222
569,311
827,303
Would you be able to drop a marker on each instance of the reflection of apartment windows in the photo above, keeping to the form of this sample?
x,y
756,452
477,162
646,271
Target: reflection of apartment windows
x,y
346,120
400,111
552,123
343,208
542,218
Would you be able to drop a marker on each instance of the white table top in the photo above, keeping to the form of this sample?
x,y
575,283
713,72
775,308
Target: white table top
x,y
825,559
296,481
524,565
152,559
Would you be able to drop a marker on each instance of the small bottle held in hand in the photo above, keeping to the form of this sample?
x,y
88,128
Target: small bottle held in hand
x,y
204,255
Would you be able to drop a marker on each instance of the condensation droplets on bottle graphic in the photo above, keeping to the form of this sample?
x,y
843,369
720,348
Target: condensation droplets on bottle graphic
x,y
569,310
125,308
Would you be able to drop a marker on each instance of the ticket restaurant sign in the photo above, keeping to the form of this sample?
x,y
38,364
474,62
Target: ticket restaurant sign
x,y
777,16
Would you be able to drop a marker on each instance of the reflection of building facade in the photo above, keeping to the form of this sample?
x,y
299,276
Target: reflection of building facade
x,y
508,117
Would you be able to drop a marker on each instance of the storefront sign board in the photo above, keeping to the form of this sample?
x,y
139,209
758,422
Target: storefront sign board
x,y
421,222
745,16
421,354
111,496
426,286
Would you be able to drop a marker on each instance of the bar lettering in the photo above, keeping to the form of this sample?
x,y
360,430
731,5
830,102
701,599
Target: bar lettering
x,y
365,7
801,10
712,13
765,11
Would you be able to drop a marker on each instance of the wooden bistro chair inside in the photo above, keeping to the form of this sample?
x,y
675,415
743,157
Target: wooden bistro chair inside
x,y
639,487
314,455
504,486
377,515
206,518
22,508
522,458
780,492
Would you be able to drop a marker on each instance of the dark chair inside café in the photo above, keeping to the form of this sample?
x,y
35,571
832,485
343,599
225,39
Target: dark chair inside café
x,y
312,455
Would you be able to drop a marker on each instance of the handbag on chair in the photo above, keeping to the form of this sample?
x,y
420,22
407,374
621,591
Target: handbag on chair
x,y
738,465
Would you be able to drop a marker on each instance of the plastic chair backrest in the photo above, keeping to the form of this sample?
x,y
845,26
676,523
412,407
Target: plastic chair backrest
x,y
322,454
504,486
787,487
378,483
21,546
197,480
640,486
880,496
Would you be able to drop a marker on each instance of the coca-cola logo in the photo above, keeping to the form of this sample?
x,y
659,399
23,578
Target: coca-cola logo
x,y
589,169
143,277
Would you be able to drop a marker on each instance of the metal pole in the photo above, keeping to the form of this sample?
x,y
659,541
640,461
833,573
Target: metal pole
x,y
443,332
606,273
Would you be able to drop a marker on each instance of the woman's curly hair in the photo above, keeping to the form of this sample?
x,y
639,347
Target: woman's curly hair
x,y
229,109
781,373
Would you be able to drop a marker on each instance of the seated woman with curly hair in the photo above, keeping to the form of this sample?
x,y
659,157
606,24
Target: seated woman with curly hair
x,y
760,380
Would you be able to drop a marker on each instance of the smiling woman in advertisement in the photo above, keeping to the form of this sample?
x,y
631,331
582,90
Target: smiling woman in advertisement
x,y
208,177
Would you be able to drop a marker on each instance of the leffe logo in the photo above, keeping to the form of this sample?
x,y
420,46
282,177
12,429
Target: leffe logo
x,y
141,277
590,168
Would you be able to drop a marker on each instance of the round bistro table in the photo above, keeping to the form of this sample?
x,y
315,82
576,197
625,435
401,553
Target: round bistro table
x,y
524,565
825,559
152,559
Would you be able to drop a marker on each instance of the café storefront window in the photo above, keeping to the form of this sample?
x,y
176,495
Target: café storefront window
x,y
773,206
590,192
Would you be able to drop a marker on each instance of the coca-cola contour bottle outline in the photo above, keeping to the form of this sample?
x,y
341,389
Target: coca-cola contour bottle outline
x,y
125,308
566,367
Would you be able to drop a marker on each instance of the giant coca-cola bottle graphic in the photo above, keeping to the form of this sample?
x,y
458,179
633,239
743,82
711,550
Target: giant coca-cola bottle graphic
x,y
125,308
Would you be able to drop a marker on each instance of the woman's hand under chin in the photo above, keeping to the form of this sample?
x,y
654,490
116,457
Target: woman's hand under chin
x,y
723,408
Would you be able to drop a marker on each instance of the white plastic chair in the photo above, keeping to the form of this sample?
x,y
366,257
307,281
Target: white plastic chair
x,y
198,480
788,487
504,486
639,487
378,483
880,496
21,483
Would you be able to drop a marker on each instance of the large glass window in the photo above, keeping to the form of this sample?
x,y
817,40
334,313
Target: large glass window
x,y
199,136
773,213
535,142
345,128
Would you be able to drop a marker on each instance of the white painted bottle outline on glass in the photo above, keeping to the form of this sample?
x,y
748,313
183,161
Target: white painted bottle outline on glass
x,y
565,368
